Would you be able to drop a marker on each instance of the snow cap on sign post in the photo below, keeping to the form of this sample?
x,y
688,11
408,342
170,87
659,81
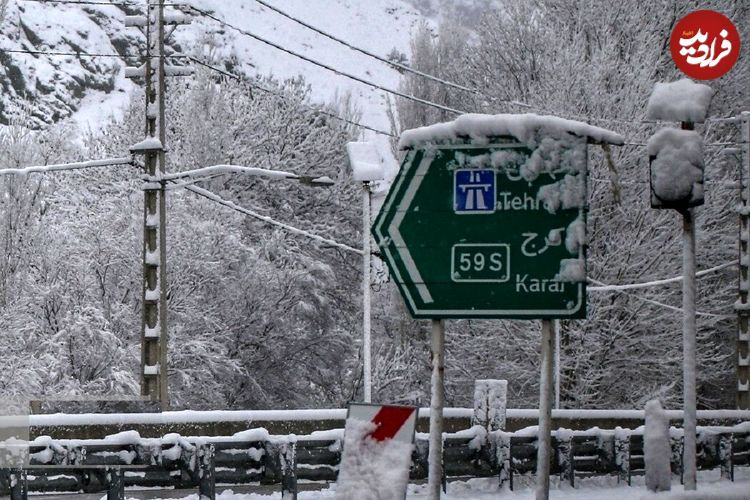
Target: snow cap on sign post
x,y
365,161
676,163
680,101
676,156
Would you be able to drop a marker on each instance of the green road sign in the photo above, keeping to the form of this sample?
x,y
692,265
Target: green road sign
x,y
488,231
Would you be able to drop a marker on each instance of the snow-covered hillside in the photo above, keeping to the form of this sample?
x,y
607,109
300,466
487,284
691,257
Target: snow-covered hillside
x,y
92,89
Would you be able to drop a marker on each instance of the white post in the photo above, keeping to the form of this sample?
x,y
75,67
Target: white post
x,y
688,347
545,412
656,449
367,347
435,458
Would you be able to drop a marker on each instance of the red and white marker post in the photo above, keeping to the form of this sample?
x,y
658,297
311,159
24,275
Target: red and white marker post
x,y
378,442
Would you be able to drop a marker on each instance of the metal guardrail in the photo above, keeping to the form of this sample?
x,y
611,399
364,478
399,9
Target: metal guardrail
x,y
300,422
254,456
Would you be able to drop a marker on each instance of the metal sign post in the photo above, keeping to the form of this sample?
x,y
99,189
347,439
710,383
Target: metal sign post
x,y
435,458
545,412
662,162
689,349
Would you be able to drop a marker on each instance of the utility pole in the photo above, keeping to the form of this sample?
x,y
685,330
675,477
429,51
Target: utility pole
x,y
154,324
154,333
742,305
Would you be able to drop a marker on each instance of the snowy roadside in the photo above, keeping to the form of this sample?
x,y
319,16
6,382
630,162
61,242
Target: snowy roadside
x,y
710,486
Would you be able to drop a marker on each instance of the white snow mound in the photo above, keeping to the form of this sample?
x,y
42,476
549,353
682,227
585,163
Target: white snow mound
x,y
365,161
572,271
680,101
677,165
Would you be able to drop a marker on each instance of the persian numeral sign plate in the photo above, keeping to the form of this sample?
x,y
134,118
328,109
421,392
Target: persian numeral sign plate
x,y
487,231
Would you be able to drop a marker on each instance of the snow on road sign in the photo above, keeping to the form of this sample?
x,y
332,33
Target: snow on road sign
x,y
377,452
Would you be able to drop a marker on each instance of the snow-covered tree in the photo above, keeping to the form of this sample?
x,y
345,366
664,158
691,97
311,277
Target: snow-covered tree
x,y
598,63
258,317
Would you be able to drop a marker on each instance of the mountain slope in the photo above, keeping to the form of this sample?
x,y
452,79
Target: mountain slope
x,y
50,88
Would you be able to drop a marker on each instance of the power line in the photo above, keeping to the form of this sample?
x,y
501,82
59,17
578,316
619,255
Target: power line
x,y
89,54
84,2
205,193
327,67
60,53
666,306
95,2
712,144
279,94
395,64
334,70
201,63
601,287
43,169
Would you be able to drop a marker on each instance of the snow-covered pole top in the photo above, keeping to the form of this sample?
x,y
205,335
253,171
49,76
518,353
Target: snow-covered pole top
x,y
527,128
365,161
680,101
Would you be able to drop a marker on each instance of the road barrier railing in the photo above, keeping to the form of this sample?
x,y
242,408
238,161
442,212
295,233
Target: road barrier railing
x,y
257,457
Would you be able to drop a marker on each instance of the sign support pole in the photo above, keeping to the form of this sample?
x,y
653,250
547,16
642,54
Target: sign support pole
x,y
545,412
689,421
435,458
688,348
557,364
366,326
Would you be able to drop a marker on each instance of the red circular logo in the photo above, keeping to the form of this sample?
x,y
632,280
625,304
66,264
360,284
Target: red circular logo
x,y
705,44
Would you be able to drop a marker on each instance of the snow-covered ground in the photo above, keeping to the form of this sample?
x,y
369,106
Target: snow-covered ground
x,y
710,486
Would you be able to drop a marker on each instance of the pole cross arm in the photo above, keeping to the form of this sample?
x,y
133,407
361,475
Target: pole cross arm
x,y
207,172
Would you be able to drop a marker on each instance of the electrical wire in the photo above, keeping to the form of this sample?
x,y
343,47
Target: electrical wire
x,y
95,2
43,169
213,68
279,94
394,64
60,53
601,287
90,54
353,47
328,67
667,306
205,193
